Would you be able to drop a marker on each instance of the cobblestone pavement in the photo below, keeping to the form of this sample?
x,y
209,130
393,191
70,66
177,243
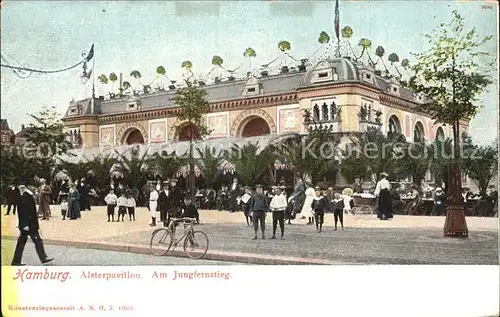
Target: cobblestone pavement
x,y
403,240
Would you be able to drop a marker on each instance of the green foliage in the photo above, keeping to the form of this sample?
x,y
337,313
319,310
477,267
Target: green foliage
x,y
405,63
250,164
160,70
101,165
373,152
311,155
393,58
451,72
380,51
74,170
103,79
113,77
46,133
284,46
210,164
480,163
347,32
136,74
17,168
193,104
415,162
217,61
166,165
134,166
365,43
323,38
187,65
249,52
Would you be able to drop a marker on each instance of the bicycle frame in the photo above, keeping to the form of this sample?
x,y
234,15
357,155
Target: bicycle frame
x,y
171,232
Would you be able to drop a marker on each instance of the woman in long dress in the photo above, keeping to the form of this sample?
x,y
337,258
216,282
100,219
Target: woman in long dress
x,y
307,211
73,203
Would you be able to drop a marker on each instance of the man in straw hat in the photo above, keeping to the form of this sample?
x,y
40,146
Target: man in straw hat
x,y
28,226
383,193
259,207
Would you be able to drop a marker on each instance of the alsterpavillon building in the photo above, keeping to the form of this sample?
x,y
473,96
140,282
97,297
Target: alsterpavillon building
x,y
341,93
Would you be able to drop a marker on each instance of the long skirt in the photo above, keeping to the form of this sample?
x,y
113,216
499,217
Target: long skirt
x,y
384,204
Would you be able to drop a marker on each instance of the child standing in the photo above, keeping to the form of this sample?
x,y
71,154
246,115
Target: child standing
x,y
64,208
111,201
319,206
122,207
131,207
338,210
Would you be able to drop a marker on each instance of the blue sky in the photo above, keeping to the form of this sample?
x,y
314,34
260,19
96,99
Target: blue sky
x,y
145,34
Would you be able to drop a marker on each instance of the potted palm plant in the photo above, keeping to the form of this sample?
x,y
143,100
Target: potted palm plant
x,y
378,115
363,113
284,46
217,80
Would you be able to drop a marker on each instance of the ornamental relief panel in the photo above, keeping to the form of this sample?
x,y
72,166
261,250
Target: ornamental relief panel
x,y
289,120
218,125
107,136
157,131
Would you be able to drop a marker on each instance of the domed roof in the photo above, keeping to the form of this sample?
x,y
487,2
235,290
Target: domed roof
x,y
343,67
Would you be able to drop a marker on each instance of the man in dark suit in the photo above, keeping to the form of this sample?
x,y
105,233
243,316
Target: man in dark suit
x,y
166,204
234,193
28,226
12,199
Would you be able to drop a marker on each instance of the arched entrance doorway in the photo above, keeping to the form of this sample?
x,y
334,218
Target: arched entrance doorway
x,y
255,127
134,136
187,131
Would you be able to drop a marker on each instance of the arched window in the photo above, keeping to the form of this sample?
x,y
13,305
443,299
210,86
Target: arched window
x,y
316,113
440,134
324,112
394,125
418,132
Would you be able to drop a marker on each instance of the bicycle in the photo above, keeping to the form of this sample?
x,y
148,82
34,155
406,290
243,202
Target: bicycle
x,y
192,238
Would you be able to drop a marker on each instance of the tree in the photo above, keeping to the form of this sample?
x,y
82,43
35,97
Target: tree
x,y
373,153
193,105
101,166
17,168
251,162
210,164
134,165
313,155
481,165
165,164
415,162
451,75
46,138
74,170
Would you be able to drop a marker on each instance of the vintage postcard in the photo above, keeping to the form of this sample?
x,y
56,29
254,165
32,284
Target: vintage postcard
x,y
191,157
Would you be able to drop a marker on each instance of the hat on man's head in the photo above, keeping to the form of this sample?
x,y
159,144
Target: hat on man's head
x,y
247,187
22,187
258,186
282,187
384,174
439,189
317,188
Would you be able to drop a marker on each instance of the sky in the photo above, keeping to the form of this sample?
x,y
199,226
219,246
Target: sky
x,y
141,35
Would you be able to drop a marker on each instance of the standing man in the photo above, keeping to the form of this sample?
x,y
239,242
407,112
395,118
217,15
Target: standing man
x,y
28,226
234,193
44,196
245,201
13,196
383,193
177,196
84,191
259,207
278,206
153,204
166,203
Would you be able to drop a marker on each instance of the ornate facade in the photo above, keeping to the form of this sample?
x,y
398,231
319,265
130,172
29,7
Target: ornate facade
x,y
346,95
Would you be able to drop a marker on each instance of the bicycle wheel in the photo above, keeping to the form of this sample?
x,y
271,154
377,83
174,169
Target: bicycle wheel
x,y
161,242
196,244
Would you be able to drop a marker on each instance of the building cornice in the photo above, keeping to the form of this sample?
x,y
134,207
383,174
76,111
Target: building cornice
x,y
150,114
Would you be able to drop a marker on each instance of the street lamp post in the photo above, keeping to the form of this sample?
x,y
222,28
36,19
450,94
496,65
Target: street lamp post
x,y
455,224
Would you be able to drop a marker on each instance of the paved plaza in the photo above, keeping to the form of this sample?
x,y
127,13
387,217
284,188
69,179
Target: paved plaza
x,y
403,240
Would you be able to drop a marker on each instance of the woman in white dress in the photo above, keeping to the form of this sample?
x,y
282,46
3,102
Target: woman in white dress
x,y
307,207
